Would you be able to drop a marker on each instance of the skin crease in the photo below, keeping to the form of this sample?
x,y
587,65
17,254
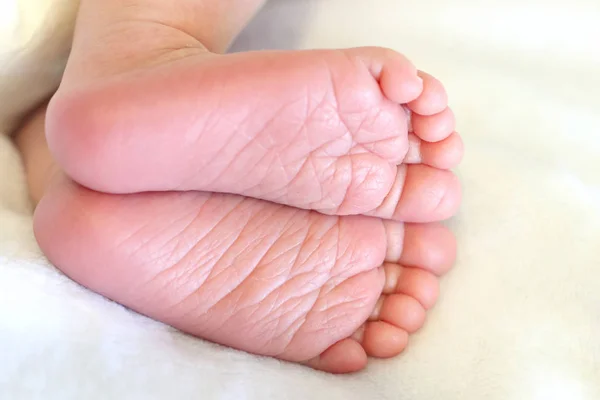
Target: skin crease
x,y
326,291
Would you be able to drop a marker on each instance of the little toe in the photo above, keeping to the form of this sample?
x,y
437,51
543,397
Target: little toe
x,y
345,356
446,154
398,78
433,98
421,193
434,128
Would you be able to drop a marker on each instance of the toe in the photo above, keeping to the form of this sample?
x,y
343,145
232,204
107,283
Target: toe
x,y
397,76
383,340
446,154
343,357
416,252
433,98
399,80
434,128
428,246
431,247
421,194
418,283
402,311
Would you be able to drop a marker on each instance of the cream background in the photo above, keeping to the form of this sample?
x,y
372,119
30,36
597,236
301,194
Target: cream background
x,y
520,314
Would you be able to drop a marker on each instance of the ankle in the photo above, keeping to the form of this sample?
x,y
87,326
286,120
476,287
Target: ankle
x,y
113,36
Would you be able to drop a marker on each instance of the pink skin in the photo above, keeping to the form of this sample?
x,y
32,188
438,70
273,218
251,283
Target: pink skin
x,y
341,132
321,290
322,130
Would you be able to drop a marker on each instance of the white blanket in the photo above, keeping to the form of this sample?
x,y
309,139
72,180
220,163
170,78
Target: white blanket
x,y
519,317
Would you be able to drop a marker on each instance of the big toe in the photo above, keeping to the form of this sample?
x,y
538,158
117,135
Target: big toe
x,y
421,194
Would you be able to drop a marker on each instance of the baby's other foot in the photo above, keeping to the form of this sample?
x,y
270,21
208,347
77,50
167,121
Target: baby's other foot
x,y
324,130
297,285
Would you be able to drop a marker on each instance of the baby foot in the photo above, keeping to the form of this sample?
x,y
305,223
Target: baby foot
x,y
297,285
320,130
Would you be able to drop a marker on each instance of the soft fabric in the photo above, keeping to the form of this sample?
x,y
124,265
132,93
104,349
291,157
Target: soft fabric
x,y
35,37
519,317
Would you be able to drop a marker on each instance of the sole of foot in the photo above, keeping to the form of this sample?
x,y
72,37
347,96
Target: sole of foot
x,y
324,291
343,132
